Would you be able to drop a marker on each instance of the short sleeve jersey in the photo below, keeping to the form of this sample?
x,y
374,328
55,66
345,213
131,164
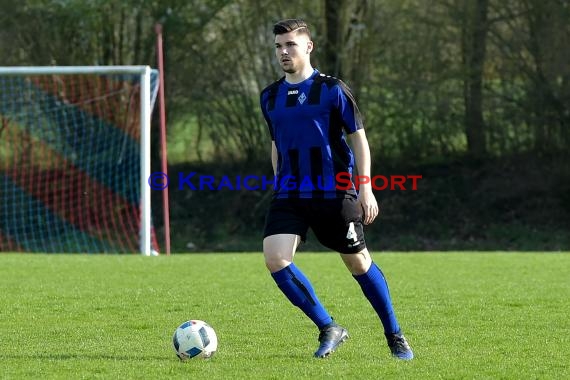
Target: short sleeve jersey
x,y
308,122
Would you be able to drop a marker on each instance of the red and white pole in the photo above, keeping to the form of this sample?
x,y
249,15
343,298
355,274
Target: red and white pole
x,y
163,151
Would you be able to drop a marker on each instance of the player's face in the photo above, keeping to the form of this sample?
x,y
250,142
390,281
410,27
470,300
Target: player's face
x,y
293,51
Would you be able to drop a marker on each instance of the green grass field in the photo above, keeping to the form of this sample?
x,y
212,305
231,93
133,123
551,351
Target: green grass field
x,y
466,315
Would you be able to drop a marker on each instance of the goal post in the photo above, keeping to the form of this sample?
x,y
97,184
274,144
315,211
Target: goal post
x,y
75,150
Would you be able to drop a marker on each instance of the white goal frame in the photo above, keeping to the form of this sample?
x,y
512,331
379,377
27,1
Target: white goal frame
x,y
145,122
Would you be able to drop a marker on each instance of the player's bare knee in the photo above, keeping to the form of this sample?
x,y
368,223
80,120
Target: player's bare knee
x,y
279,250
275,262
356,268
276,267
357,263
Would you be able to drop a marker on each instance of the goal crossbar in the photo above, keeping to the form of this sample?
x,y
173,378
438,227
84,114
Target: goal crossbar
x,y
62,70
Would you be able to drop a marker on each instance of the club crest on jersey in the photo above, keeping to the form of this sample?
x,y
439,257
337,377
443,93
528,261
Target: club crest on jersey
x,y
302,98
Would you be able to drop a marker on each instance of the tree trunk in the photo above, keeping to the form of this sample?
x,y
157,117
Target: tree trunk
x,y
333,43
474,48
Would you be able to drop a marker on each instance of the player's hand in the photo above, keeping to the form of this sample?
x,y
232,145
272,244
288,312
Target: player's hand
x,y
369,206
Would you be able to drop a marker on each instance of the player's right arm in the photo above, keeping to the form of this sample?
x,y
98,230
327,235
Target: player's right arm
x,y
263,102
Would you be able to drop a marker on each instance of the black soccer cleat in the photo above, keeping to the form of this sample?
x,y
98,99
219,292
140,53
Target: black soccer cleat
x,y
399,347
330,337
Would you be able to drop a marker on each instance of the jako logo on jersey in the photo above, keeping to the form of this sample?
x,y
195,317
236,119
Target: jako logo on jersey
x,y
292,92
302,98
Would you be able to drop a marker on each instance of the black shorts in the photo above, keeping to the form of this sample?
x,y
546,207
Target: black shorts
x,y
337,223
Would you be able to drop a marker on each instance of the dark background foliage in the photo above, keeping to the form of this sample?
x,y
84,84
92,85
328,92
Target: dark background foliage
x,y
474,95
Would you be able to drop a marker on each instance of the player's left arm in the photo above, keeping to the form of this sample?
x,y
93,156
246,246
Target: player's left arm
x,y
346,104
366,197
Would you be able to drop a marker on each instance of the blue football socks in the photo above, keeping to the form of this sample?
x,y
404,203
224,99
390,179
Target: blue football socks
x,y
298,289
375,288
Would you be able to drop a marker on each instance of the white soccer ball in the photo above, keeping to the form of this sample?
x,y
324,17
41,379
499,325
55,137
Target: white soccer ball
x,y
194,339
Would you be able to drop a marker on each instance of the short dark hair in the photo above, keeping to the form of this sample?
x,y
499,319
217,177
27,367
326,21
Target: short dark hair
x,y
291,25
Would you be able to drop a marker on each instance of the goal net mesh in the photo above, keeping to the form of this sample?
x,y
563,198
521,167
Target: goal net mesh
x,y
70,162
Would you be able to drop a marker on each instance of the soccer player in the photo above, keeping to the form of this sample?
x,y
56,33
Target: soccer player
x,y
308,114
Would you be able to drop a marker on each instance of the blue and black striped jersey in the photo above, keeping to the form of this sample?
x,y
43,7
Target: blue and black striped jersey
x,y
307,121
